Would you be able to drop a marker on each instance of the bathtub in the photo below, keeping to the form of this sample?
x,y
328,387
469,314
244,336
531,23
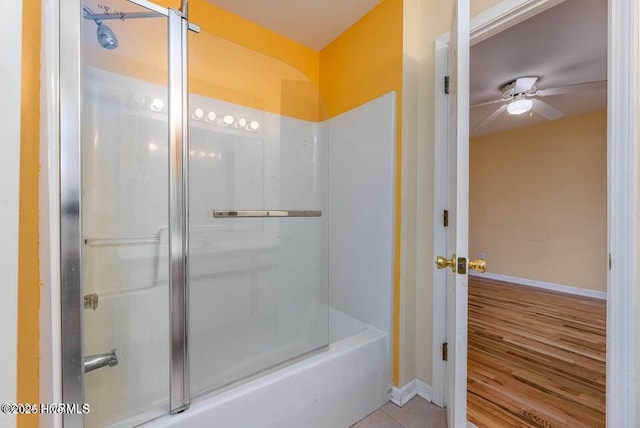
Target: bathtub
x,y
333,388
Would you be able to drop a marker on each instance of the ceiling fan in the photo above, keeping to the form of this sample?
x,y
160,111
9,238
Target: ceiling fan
x,y
517,95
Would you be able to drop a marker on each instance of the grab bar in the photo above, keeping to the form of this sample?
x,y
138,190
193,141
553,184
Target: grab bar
x,y
111,242
265,213
94,362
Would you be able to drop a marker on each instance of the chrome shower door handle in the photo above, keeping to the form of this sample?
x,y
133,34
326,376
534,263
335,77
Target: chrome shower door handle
x,y
265,213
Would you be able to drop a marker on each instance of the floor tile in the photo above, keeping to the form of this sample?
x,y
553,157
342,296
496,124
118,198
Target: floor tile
x,y
417,413
377,419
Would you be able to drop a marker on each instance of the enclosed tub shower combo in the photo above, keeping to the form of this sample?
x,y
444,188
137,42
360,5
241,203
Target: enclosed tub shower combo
x,y
227,249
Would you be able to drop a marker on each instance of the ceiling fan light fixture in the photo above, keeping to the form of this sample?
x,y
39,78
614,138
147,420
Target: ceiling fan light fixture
x,y
520,106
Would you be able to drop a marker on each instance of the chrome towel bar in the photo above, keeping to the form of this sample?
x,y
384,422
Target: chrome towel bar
x,y
111,242
265,213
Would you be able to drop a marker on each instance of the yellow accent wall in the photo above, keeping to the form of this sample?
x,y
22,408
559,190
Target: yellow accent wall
x,y
28,251
362,64
219,22
365,61
538,201
236,60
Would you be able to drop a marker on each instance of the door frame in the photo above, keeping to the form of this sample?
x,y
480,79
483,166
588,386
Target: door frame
x,y
622,133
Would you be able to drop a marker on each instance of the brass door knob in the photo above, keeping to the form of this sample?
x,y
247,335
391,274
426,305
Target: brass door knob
x,y
479,265
442,262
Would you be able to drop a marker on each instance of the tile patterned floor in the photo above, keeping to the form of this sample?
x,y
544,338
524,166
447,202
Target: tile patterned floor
x,y
417,413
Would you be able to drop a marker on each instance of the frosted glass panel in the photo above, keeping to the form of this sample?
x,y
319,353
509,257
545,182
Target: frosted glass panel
x,y
258,286
124,215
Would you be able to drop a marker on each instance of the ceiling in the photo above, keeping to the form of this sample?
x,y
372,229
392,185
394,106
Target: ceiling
x,y
564,45
314,23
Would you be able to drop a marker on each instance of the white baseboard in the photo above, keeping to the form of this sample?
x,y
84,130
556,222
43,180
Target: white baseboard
x,y
546,285
401,396
424,390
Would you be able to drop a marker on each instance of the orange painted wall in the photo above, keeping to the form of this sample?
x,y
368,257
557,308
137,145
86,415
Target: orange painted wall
x,y
28,251
238,30
236,60
365,61
231,27
362,64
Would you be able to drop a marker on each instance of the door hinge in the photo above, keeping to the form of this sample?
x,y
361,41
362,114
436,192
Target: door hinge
x,y
445,351
445,218
446,85
609,261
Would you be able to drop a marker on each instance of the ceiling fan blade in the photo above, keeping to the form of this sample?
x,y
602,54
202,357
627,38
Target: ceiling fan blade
x,y
501,100
524,84
493,115
545,110
569,89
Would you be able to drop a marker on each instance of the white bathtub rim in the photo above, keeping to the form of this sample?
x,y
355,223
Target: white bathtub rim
x,y
208,401
299,365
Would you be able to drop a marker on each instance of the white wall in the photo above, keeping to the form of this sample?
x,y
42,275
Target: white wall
x,y
361,185
10,52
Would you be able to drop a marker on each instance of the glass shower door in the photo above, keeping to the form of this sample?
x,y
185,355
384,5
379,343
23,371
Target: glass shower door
x,y
258,283
124,212
257,270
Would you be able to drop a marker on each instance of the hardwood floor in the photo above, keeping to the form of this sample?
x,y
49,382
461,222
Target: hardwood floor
x,y
536,358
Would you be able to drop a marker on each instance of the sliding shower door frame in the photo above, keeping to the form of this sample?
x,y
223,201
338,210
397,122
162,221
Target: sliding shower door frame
x,y
70,90
178,212
70,119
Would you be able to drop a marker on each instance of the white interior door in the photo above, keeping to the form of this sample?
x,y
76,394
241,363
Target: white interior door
x,y
457,234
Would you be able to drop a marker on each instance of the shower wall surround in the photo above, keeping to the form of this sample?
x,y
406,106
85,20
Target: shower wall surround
x,y
361,211
352,378
258,287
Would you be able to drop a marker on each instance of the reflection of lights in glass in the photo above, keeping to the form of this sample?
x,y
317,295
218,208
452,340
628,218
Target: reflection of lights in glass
x,y
202,154
211,117
139,100
198,113
157,104
153,147
219,155
192,152
212,155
